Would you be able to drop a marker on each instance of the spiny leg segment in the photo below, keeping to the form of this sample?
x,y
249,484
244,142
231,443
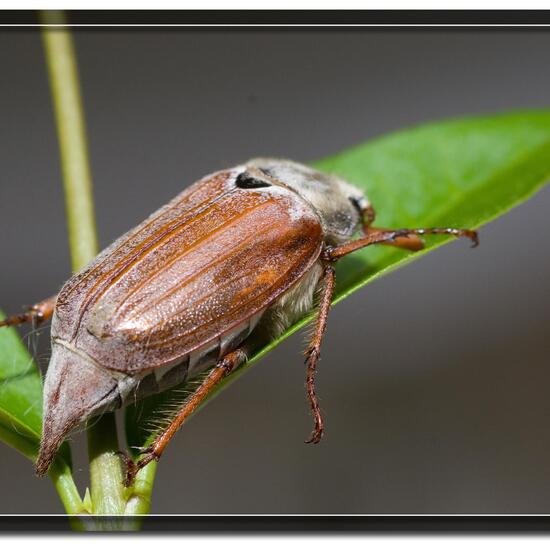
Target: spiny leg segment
x,y
313,351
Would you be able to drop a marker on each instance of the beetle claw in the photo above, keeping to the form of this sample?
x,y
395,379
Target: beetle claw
x,y
316,435
132,468
131,473
129,468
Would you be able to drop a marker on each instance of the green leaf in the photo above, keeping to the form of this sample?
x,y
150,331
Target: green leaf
x,y
21,413
457,173
20,395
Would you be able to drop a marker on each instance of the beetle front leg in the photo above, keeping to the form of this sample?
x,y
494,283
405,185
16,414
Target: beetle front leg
x,y
37,313
228,363
413,243
409,242
313,351
387,236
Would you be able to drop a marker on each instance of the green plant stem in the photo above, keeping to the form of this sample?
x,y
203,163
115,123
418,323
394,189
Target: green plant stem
x,y
62,478
108,492
139,501
105,476
60,473
71,133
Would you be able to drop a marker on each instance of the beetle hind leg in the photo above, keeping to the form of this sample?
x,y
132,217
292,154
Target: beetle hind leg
x,y
37,313
224,366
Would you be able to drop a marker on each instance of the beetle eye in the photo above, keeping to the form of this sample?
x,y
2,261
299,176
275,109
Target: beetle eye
x,y
246,181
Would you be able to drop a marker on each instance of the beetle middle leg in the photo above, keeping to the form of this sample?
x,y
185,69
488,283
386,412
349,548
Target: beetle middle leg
x,y
37,313
314,350
224,366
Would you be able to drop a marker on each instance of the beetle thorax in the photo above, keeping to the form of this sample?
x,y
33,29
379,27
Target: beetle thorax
x,y
337,202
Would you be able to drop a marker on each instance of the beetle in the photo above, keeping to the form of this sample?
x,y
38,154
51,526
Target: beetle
x,y
241,252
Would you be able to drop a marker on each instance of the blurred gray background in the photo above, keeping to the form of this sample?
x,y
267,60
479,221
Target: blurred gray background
x,y
434,380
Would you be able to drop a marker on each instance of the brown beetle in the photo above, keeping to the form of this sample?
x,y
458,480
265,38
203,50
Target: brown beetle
x,y
240,251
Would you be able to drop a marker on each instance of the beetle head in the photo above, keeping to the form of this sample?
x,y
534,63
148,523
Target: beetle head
x,y
338,203
74,390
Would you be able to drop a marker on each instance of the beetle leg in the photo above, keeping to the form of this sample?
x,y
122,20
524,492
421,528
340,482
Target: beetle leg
x,y
313,351
384,236
224,366
41,311
369,215
410,242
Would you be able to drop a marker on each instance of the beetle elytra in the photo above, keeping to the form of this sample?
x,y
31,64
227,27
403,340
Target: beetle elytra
x,y
239,252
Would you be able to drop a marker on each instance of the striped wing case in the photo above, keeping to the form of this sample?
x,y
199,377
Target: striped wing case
x,y
197,268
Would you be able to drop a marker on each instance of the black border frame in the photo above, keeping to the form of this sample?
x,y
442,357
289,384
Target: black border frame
x,y
446,20
291,524
329,18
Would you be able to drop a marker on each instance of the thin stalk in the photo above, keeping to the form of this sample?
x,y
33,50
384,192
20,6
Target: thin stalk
x,y
71,134
62,478
106,487
105,476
